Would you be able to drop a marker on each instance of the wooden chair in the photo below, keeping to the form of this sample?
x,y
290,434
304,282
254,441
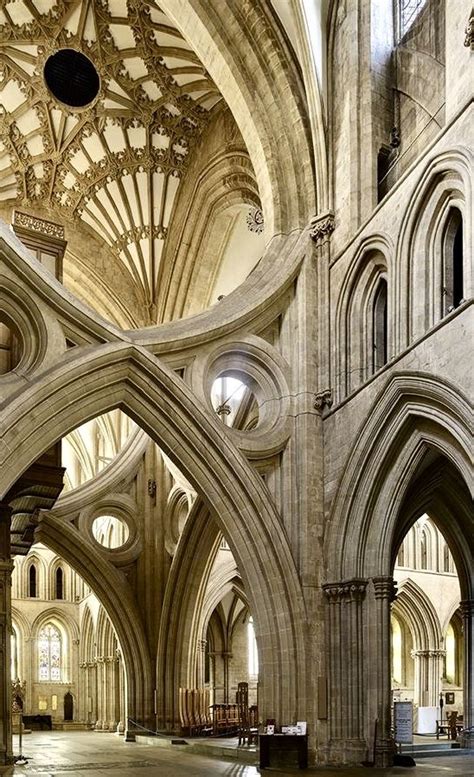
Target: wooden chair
x,y
248,717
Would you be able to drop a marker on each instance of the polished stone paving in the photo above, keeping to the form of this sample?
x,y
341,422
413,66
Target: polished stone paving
x,y
89,754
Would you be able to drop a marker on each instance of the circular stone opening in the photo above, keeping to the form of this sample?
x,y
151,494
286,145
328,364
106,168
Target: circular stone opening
x,y
234,401
72,78
109,531
10,347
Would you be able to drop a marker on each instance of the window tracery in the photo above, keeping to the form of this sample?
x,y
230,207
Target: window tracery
x,y
408,11
49,654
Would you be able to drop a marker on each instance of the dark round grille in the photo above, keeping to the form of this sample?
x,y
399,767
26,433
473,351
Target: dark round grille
x,y
72,78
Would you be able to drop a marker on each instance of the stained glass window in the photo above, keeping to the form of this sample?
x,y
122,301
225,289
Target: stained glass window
x,y
50,653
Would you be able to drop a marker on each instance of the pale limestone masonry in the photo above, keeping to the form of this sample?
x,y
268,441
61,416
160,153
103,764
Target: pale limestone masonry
x,y
343,433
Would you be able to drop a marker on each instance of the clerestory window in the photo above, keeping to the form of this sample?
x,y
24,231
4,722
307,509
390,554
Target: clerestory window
x,y
452,269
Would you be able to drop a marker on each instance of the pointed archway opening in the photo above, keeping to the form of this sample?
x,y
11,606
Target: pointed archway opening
x,y
431,615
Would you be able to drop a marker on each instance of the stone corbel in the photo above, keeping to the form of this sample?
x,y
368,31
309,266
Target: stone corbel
x,y
322,227
323,400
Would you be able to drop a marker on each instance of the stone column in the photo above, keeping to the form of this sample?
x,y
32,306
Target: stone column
x,y
226,657
384,592
428,676
346,671
122,716
6,567
467,610
201,658
321,229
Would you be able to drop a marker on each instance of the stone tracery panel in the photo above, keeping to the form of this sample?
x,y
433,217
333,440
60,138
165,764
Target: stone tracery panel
x,y
116,164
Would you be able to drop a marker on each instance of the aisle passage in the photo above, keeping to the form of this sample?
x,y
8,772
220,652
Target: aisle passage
x,y
90,754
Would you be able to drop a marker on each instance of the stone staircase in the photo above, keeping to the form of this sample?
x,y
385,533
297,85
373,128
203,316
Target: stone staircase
x,y
434,750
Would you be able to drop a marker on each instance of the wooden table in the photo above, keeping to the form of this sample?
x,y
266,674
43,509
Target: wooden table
x,y
274,748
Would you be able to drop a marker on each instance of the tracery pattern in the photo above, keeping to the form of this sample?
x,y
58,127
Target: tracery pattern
x,y
49,653
117,163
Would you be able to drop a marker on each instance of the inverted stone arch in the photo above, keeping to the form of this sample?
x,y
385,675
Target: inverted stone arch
x,y
119,375
242,48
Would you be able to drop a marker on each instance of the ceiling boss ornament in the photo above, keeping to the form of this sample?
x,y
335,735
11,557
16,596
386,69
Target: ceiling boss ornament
x,y
115,158
255,220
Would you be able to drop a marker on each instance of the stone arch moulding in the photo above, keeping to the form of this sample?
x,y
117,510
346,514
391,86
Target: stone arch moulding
x,y
372,261
109,587
415,418
120,506
227,41
419,614
254,360
446,181
119,375
413,412
258,299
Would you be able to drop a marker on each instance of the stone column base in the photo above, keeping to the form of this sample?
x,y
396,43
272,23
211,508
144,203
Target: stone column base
x,y
384,753
466,739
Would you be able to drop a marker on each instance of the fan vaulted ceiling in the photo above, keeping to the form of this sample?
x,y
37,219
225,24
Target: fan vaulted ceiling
x,y
117,163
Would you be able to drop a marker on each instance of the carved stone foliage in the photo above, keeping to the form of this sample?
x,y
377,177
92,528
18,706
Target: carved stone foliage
x,y
469,39
116,163
322,227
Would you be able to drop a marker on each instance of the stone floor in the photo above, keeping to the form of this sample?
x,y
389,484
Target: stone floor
x,y
88,754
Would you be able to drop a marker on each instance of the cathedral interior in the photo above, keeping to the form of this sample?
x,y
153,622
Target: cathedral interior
x,y
236,368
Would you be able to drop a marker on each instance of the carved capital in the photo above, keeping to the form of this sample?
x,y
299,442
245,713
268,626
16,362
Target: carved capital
x,y
385,588
467,608
469,39
322,227
323,399
347,590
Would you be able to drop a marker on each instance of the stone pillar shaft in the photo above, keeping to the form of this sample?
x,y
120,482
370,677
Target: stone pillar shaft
x,y
346,686
6,567
384,592
467,609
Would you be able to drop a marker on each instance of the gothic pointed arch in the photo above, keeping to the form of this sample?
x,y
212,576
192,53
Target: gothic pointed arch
x,y
161,403
419,415
418,611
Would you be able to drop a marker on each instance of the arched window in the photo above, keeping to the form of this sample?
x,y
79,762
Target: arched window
x,y
446,559
252,649
59,583
379,326
32,580
49,653
401,555
424,549
452,271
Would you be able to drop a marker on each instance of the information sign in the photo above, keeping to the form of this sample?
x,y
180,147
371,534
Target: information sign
x,y
403,719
